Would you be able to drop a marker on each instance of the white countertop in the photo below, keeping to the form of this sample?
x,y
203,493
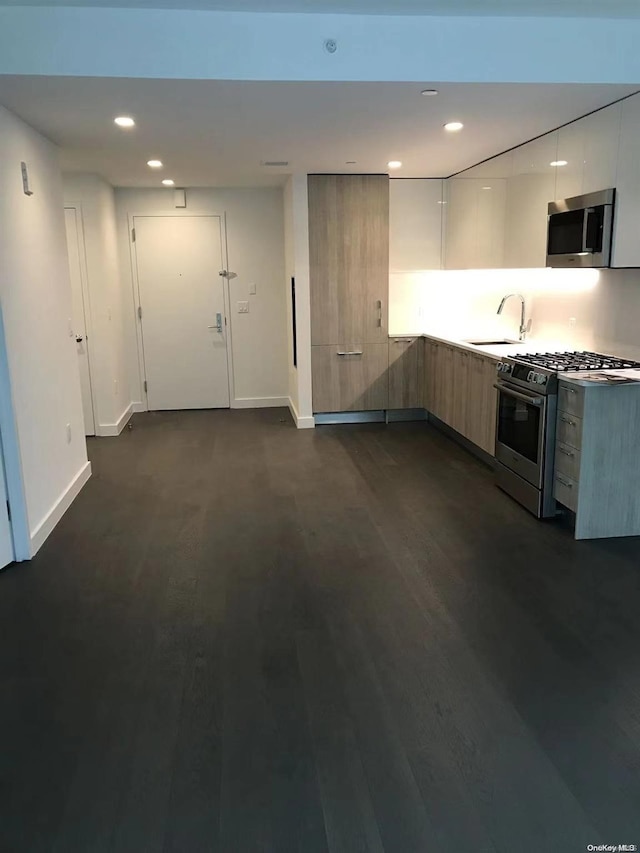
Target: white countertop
x,y
581,377
532,345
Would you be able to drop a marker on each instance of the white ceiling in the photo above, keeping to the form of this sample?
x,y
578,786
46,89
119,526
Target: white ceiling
x,y
536,8
217,133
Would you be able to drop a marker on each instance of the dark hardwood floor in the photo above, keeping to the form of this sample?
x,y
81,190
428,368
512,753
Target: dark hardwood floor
x,y
244,637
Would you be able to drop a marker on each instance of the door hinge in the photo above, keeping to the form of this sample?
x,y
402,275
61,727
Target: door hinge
x,y
145,386
9,510
133,235
139,312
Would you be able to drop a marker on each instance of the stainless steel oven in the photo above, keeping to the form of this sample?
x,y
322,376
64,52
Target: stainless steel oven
x,y
525,439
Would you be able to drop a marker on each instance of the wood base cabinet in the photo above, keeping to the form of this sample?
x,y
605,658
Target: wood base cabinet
x,y
353,379
405,373
458,390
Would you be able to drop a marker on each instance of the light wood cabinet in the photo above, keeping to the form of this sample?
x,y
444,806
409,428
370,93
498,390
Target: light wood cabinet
x,y
349,278
597,466
458,390
406,356
349,258
350,380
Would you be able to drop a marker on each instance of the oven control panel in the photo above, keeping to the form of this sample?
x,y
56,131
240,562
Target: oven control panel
x,y
536,378
504,368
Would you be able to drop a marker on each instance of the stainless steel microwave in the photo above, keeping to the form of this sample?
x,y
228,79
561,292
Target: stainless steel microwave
x,y
580,230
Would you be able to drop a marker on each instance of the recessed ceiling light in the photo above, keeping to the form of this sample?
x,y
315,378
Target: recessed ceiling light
x,y
394,164
453,126
124,121
558,163
429,92
155,164
351,162
487,188
168,182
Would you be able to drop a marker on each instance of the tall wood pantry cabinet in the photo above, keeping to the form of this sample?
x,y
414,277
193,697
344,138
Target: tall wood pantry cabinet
x,y
349,272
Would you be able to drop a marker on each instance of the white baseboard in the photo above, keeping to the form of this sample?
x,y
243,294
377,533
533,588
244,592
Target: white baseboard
x,y
116,429
301,423
139,407
63,503
259,402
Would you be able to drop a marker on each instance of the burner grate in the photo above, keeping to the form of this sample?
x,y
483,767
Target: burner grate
x,y
565,362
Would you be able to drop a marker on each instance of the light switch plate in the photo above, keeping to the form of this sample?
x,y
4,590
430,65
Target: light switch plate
x,y
243,307
252,288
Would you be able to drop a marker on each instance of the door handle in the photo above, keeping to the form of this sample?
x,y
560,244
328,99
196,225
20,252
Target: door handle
x,y
79,339
218,325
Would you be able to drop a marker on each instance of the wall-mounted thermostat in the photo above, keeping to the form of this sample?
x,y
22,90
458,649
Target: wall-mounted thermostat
x,y
25,179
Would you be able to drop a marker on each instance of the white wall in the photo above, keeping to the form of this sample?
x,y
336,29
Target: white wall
x,y
109,373
245,46
577,309
255,241
36,306
290,271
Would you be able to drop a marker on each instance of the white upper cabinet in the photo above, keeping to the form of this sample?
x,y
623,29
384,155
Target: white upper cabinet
x,y
415,224
530,189
626,236
590,148
571,145
475,215
601,144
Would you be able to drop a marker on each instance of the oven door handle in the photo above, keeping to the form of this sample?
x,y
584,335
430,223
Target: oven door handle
x,y
533,401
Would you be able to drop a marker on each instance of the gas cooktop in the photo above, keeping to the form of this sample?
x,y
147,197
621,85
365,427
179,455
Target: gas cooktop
x,y
565,362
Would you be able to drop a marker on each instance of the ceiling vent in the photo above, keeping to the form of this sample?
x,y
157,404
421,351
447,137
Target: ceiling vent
x,y
275,163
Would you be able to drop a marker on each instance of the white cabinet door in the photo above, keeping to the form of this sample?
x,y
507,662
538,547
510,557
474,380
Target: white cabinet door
x,y
475,215
601,143
461,220
530,189
626,239
571,151
415,224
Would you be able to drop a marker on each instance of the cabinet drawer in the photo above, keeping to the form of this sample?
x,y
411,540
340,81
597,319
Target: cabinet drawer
x,y
565,491
569,429
351,378
571,399
567,461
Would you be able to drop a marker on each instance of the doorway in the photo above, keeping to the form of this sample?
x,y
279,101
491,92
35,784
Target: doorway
x,y
182,310
80,310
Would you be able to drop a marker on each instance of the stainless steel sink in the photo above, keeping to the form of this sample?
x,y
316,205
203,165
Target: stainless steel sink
x,y
501,343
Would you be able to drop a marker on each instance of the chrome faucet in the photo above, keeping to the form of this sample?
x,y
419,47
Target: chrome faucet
x,y
524,325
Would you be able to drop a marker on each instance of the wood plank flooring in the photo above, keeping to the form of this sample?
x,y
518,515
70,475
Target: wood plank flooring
x,y
244,637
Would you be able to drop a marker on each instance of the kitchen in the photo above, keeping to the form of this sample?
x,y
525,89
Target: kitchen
x,y
487,222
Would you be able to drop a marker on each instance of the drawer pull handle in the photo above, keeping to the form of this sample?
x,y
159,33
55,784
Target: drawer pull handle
x,y
403,340
570,390
352,352
566,452
564,482
567,421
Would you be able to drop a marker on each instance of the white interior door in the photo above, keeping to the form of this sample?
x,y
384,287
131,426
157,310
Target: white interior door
x,y
76,254
184,331
6,538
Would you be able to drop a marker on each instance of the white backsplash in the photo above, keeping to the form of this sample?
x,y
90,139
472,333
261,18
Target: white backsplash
x,y
583,309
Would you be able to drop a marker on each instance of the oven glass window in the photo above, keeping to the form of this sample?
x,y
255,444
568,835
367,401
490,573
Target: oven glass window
x,y
519,426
